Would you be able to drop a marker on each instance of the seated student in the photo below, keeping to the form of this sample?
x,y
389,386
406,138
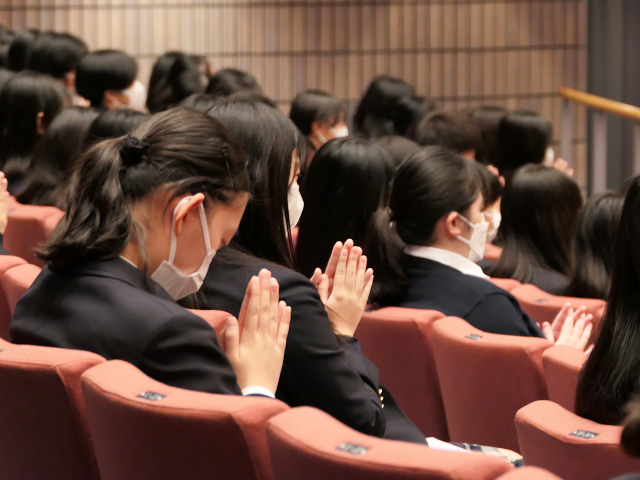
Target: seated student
x,y
409,111
108,80
492,202
324,366
320,117
487,118
20,49
539,208
113,124
29,102
453,131
397,147
201,102
346,192
174,77
592,246
146,216
377,108
55,157
58,55
436,201
228,81
609,378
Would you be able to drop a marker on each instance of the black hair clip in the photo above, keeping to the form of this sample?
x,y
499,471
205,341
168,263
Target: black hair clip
x,y
133,152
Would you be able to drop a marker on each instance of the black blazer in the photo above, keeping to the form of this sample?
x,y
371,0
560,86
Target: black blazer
x,y
112,309
320,370
487,307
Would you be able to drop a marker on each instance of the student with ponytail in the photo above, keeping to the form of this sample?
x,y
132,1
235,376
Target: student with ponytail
x,y
145,217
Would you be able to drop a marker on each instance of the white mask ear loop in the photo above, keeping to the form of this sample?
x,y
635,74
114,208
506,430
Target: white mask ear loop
x,y
205,229
203,222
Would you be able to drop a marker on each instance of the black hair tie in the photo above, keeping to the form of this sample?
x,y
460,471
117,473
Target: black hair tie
x,y
133,152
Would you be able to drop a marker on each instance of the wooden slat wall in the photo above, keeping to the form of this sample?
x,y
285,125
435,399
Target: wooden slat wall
x,y
515,53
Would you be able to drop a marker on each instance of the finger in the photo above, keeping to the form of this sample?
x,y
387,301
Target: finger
x,y
246,301
315,278
341,272
352,267
368,275
589,350
333,260
548,331
275,308
265,300
558,322
222,339
360,274
323,289
283,326
250,322
581,310
232,339
584,339
366,291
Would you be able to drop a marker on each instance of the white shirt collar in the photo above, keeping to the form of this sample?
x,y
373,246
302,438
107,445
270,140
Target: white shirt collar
x,y
450,259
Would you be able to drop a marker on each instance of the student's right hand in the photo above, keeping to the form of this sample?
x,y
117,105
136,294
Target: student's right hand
x,y
346,300
571,328
255,343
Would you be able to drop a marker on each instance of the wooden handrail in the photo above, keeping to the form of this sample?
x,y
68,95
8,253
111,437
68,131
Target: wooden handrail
x,y
601,103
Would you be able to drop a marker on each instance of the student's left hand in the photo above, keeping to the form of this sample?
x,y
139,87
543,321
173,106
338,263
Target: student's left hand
x,y
571,328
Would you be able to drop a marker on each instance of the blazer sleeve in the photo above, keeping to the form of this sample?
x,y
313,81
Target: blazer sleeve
x,y
322,370
496,313
184,352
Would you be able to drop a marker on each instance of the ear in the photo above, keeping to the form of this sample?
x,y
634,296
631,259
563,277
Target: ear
x,y
452,225
40,128
185,209
317,127
110,97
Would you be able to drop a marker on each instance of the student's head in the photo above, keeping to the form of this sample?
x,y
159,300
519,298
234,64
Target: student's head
x,y
539,210
58,55
487,118
6,37
523,137
274,146
20,50
202,102
113,124
397,147
492,196
610,377
55,156
28,104
107,78
178,177
319,116
436,200
409,111
453,131
592,246
174,77
231,80
377,108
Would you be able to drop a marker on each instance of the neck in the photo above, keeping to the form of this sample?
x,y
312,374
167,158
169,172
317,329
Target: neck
x,y
132,253
452,245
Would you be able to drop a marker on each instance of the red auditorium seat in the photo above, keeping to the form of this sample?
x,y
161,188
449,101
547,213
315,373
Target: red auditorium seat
x,y
145,430
485,378
529,473
398,341
216,318
492,252
570,446
29,227
562,367
306,443
543,307
6,262
43,430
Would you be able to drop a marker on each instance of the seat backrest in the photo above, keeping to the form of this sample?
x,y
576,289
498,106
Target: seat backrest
x,y
16,281
562,367
43,432
529,473
6,262
146,430
508,284
543,307
485,378
570,446
28,228
398,341
216,318
306,443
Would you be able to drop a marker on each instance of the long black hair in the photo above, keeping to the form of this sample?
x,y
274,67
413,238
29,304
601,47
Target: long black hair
x,y
55,157
271,140
539,210
612,373
183,150
346,193
592,246
175,76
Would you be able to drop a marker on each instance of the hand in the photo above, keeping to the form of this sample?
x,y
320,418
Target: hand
x,y
330,271
571,328
562,166
255,343
4,203
351,287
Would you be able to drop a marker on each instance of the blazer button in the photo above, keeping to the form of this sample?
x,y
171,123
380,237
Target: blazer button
x,y
381,398
383,405
379,391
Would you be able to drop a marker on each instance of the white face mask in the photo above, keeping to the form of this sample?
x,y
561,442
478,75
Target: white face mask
x,y
295,204
340,132
549,157
494,219
137,95
478,239
178,284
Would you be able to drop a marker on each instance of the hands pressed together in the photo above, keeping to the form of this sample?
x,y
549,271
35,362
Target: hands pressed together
x,y
570,327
